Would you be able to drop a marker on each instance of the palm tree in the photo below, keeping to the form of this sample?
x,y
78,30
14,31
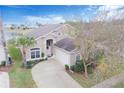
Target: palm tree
x,y
3,40
24,42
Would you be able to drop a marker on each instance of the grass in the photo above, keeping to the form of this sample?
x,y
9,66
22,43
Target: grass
x,y
119,85
86,83
19,77
14,53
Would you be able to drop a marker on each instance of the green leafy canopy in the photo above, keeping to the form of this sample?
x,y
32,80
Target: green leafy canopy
x,y
25,41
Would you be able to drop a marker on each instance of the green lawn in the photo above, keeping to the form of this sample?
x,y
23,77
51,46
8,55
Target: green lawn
x,y
15,53
119,85
86,83
19,77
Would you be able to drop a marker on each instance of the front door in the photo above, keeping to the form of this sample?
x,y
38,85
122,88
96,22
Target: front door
x,y
49,47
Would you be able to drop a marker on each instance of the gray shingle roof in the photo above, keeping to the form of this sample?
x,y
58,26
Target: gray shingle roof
x,y
43,30
66,44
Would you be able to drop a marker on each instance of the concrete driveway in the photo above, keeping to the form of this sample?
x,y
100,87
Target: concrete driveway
x,y
51,74
4,80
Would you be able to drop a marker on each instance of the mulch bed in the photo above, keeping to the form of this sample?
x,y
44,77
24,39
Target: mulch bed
x,y
5,69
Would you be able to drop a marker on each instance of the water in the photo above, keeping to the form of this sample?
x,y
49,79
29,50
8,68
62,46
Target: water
x,y
9,35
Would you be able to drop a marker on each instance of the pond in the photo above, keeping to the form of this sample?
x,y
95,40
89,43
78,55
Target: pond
x,y
9,35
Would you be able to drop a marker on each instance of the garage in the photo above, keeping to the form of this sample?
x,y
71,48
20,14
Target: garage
x,y
64,51
62,57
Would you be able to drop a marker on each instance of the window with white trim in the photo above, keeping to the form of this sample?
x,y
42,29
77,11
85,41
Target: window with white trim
x,y
35,53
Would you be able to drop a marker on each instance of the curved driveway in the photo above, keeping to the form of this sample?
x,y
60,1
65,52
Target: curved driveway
x,y
51,74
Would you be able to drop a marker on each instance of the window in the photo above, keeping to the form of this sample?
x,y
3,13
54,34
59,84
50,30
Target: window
x,y
78,57
35,53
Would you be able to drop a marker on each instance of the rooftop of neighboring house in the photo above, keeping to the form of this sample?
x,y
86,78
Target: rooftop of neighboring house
x,y
66,44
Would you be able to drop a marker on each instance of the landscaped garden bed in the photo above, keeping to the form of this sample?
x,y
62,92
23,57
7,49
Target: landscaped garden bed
x,y
32,63
119,85
107,67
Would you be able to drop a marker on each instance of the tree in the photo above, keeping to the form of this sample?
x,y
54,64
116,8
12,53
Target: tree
x,y
85,47
85,42
13,26
108,36
24,42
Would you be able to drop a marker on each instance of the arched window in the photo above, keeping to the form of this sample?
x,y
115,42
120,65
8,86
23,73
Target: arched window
x,y
35,53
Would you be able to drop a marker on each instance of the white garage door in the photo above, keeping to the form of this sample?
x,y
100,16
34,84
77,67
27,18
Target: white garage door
x,y
2,55
62,57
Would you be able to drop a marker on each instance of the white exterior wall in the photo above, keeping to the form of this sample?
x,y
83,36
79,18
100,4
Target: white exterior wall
x,y
65,57
56,35
2,54
73,57
50,36
62,57
39,44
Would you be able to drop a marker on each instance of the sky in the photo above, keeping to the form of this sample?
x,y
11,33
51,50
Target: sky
x,y
52,14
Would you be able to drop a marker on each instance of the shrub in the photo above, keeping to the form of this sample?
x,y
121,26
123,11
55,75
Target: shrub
x,y
38,60
80,63
66,67
72,67
42,55
78,68
30,64
3,63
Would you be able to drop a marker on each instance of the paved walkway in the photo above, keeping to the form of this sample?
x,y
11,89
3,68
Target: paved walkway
x,y
110,82
4,80
51,74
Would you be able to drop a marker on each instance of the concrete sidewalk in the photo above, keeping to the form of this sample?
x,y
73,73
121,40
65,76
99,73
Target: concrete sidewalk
x,y
4,80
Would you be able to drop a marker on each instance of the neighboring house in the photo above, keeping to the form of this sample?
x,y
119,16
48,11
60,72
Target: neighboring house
x,y
53,41
2,53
